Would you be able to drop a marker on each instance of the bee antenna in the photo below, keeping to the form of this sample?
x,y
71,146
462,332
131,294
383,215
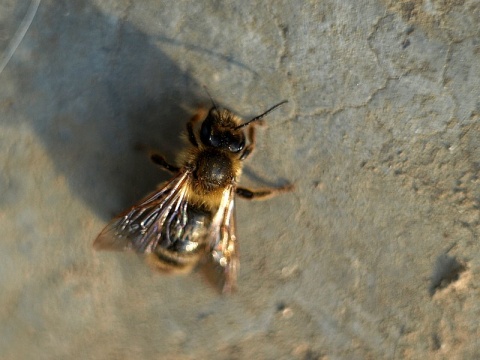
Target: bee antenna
x,y
211,98
261,115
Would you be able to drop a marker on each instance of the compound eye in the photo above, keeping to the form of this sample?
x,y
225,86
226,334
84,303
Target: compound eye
x,y
208,136
236,143
206,131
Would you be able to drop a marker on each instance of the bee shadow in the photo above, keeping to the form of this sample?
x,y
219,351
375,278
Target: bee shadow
x,y
98,88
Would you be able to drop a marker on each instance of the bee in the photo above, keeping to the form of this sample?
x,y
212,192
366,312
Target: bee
x,y
190,218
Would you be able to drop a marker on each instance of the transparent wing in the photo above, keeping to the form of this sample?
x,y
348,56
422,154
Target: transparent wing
x,y
224,241
147,224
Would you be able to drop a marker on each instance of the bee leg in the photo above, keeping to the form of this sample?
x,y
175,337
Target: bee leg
x,y
262,194
195,118
157,158
160,160
251,142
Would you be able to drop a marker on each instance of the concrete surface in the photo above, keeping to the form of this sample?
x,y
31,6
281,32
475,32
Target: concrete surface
x,y
374,256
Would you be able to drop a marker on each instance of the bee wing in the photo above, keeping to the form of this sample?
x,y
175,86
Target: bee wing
x,y
224,240
142,227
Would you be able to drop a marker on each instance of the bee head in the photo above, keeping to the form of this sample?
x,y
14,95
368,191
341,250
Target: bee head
x,y
219,130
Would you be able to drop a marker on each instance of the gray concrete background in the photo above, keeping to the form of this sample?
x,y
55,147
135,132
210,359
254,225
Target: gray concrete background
x,y
374,256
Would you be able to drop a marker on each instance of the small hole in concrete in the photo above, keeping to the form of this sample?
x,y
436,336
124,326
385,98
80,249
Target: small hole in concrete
x,y
447,270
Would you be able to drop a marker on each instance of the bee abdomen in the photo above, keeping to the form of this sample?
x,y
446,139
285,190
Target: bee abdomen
x,y
167,261
184,242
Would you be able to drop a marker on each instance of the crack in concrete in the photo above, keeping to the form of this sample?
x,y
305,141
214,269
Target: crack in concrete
x,y
281,58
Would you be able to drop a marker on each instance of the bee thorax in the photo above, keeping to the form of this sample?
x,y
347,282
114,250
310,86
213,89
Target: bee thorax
x,y
214,170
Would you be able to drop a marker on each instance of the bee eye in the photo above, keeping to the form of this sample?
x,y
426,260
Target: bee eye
x,y
236,143
206,131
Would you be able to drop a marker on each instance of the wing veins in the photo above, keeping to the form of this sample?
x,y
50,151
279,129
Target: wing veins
x,y
141,227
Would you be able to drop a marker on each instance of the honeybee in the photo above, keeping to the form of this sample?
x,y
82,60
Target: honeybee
x,y
191,217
